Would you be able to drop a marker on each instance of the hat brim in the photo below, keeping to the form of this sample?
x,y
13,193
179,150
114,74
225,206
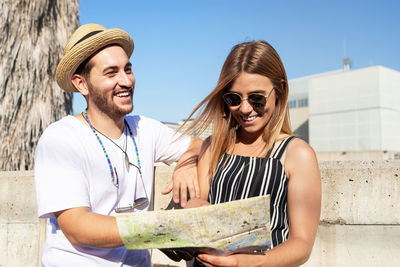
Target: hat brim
x,y
81,51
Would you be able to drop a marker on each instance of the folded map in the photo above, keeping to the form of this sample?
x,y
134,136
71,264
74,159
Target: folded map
x,y
241,226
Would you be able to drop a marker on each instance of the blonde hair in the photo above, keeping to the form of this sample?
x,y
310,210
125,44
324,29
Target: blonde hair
x,y
256,57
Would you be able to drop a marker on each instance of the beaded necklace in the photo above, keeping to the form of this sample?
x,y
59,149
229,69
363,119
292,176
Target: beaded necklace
x,y
113,171
134,143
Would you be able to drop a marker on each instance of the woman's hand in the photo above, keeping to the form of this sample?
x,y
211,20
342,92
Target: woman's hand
x,y
237,260
196,202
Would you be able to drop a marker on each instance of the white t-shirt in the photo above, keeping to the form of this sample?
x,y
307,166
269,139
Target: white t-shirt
x,y
71,170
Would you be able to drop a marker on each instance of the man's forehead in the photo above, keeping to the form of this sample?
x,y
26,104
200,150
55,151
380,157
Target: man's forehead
x,y
110,55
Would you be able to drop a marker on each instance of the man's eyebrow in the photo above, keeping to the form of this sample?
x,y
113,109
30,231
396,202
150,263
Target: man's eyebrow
x,y
113,68
110,68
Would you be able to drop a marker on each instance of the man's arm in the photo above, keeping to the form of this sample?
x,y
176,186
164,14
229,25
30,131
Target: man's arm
x,y
184,177
85,228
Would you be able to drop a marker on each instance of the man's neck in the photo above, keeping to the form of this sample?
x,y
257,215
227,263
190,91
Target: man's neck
x,y
111,127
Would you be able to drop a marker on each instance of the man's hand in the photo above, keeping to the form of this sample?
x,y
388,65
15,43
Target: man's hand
x,y
184,178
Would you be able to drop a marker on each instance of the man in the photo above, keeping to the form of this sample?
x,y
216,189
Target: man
x,y
96,164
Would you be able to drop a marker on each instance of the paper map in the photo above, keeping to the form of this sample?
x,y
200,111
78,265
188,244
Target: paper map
x,y
231,227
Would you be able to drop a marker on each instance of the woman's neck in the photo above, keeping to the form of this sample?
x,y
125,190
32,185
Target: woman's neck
x,y
250,138
251,145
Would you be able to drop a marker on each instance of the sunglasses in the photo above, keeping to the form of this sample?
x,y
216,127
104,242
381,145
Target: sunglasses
x,y
138,203
255,100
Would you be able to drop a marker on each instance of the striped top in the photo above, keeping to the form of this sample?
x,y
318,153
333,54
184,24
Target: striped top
x,y
240,177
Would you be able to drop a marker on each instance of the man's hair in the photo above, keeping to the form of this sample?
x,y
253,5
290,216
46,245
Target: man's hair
x,y
84,68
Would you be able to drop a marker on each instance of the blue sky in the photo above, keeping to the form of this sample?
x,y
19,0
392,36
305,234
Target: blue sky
x,y
180,46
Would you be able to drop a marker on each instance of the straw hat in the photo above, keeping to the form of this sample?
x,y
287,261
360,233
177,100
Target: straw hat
x,y
84,42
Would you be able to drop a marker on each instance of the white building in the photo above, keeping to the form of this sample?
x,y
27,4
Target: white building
x,y
355,111
299,103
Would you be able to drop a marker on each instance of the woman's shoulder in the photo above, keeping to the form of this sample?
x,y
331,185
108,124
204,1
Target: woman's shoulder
x,y
299,149
299,154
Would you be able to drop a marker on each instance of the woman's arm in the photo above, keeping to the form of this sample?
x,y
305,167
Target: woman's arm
x,y
304,196
304,205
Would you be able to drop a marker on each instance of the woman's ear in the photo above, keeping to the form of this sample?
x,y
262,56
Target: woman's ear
x,y
80,84
283,89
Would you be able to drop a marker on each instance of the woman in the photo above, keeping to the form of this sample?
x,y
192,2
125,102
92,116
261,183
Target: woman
x,y
252,152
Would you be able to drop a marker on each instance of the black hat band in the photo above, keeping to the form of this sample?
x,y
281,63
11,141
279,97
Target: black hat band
x,y
90,34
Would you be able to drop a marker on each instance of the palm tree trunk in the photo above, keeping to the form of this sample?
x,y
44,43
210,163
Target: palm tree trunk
x,y
33,35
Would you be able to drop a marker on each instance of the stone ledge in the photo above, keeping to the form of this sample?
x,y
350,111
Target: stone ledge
x,y
361,192
356,245
17,197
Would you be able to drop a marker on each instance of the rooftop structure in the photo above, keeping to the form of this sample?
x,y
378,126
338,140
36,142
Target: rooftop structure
x,y
348,111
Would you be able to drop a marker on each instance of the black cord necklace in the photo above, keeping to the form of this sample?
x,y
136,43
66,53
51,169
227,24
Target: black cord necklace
x,y
127,165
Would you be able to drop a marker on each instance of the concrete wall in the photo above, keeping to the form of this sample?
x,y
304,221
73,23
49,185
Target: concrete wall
x,y
358,155
360,219
21,236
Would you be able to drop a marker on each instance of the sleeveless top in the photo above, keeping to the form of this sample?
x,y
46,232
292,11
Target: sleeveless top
x,y
240,177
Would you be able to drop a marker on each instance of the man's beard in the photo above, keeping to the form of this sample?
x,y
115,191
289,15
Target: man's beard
x,y
106,105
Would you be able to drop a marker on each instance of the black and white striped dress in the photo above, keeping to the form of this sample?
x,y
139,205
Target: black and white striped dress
x,y
236,178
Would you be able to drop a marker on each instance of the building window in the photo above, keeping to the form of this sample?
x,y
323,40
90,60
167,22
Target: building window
x,y
303,102
292,104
